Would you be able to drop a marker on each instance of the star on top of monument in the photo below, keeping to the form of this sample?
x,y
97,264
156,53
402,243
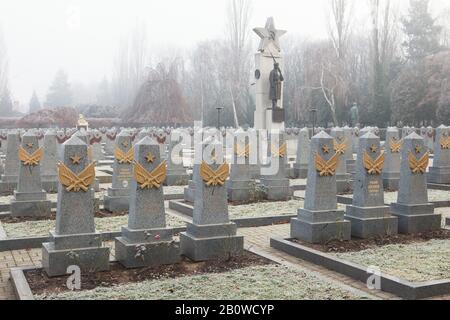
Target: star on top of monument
x,y
125,143
76,159
269,35
30,145
418,149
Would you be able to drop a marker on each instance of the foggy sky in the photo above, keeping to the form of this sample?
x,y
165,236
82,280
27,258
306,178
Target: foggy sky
x,y
82,36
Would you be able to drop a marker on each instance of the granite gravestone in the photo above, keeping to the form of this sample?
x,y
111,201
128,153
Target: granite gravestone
x,y
75,240
118,196
29,198
176,172
301,162
110,141
11,166
368,215
211,235
95,140
48,167
146,241
320,221
440,170
414,212
392,147
276,184
340,147
239,184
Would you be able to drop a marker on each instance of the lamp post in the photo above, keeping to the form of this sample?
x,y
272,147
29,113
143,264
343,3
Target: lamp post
x,y
219,109
313,119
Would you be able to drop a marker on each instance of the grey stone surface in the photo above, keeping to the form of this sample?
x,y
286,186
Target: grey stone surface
x,y
239,184
176,172
303,150
96,145
48,167
75,240
414,212
391,171
320,221
11,165
368,215
204,238
440,171
29,198
117,197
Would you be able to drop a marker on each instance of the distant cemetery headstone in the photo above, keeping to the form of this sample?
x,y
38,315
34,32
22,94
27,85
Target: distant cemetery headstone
x,y
48,167
11,166
392,148
239,184
301,163
440,171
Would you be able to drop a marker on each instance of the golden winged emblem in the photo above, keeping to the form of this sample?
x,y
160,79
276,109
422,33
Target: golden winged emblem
x,y
123,157
152,179
340,148
30,159
395,146
418,165
281,152
445,143
74,182
242,151
326,168
373,167
214,177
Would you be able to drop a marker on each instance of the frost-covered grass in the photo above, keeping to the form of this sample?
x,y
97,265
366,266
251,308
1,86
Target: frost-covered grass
x,y
265,209
42,228
433,195
261,282
417,262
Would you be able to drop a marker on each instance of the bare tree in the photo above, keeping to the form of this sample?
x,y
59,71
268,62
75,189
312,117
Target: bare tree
x,y
238,43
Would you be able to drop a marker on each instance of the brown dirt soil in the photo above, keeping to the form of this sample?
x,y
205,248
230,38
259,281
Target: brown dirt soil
x,y
98,214
40,283
356,245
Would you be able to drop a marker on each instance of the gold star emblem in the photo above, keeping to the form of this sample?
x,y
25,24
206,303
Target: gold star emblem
x,y
125,143
150,157
418,149
76,159
30,145
325,148
373,148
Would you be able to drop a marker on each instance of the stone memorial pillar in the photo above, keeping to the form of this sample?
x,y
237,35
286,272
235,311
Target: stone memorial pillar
x,y
117,198
340,147
29,198
11,167
277,184
211,235
414,213
320,221
96,145
392,148
48,167
303,151
368,215
440,171
75,240
147,241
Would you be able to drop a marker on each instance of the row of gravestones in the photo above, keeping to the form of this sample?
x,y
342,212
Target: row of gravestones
x,y
320,221
146,240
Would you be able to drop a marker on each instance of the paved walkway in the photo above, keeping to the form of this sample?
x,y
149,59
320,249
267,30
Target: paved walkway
x,y
256,240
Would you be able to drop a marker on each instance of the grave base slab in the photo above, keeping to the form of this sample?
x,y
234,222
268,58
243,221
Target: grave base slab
x,y
440,175
55,262
371,222
33,208
175,179
319,227
416,218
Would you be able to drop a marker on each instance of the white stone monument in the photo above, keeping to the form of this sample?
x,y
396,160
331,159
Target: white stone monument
x,y
269,51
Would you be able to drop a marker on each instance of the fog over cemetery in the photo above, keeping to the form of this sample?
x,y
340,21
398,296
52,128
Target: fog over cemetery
x,y
235,150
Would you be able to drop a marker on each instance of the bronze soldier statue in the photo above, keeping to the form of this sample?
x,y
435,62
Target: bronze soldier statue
x,y
275,79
